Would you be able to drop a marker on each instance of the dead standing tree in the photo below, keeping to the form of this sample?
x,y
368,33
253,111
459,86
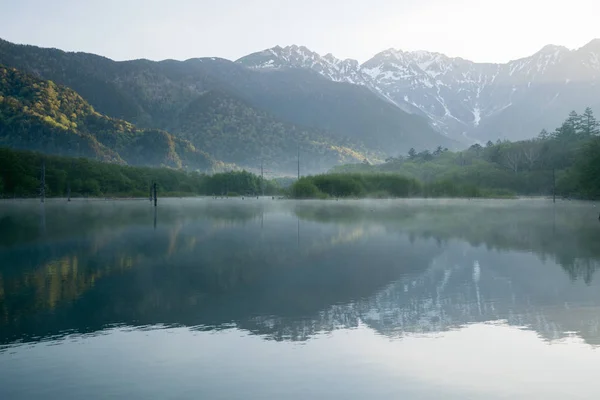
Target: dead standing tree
x,y
512,160
69,183
154,192
532,154
43,182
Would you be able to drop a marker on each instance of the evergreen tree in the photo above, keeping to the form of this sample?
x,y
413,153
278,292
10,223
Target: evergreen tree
x,y
425,155
412,153
574,123
589,124
588,169
544,135
568,129
477,149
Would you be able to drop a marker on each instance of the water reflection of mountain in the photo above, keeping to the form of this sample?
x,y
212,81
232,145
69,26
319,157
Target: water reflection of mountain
x,y
470,286
410,269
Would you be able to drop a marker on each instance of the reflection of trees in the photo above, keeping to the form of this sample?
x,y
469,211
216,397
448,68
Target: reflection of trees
x,y
580,268
59,281
196,275
567,233
22,219
222,265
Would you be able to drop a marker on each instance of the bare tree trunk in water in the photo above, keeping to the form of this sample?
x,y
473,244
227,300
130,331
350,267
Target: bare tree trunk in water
x,y
155,199
43,182
554,185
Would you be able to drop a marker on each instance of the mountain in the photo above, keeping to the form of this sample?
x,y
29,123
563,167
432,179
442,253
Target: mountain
x,y
301,57
40,115
233,131
154,95
464,99
344,110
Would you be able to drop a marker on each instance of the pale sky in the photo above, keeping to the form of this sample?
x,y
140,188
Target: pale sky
x,y
480,30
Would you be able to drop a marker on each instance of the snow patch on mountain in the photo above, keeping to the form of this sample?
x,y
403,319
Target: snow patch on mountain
x,y
457,95
476,116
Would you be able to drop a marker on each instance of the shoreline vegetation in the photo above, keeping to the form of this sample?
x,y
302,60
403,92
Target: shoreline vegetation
x,y
20,177
384,186
564,163
21,171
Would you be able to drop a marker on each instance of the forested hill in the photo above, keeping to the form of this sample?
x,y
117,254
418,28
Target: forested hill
x,y
153,95
40,115
565,160
233,131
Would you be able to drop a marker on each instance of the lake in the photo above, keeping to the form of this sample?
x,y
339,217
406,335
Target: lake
x,y
273,299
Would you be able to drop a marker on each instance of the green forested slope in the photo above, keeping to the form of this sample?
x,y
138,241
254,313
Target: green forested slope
x,y
20,176
566,160
233,131
40,115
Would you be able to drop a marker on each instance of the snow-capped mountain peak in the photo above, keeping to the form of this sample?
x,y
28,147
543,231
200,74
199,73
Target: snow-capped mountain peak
x,y
301,57
464,99
552,48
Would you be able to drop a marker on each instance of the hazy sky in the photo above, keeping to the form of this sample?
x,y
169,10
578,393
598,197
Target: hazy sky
x,y
480,30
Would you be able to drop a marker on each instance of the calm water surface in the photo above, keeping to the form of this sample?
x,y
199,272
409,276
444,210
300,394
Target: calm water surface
x,y
263,299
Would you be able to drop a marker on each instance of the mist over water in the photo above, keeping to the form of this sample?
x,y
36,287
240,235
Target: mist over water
x,y
314,299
